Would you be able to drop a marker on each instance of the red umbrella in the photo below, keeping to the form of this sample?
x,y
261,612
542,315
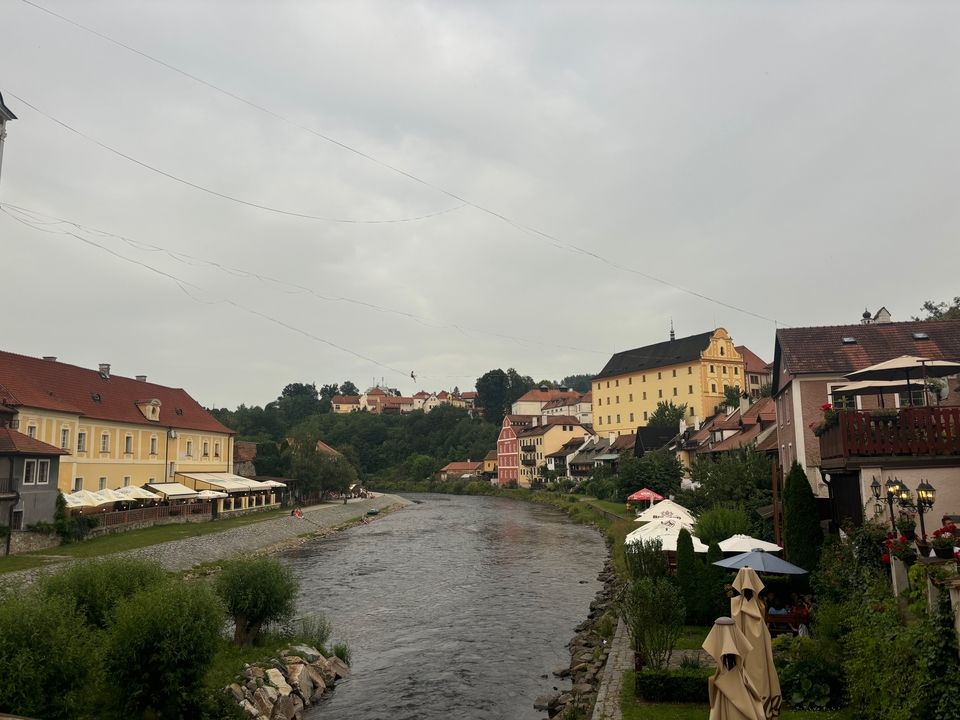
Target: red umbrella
x,y
645,494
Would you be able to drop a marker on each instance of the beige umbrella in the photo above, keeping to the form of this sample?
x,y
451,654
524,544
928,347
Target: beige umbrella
x,y
732,693
666,510
749,616
907,368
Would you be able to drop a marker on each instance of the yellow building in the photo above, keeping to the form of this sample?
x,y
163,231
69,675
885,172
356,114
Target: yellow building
x,y
116,430
540,440
692,370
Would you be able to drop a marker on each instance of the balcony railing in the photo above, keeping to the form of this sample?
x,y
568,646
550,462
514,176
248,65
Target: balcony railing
x,y
529,462
911,431
528,448
6,485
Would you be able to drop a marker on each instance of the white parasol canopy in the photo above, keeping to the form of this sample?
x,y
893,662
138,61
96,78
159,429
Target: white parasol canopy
x,y
667,533
666,509
211,495
745,543
132,492
85,498
111,496
907,367
874,387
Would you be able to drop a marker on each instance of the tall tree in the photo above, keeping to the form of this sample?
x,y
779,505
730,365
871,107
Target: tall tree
x,y
687,575
493,388
731,396
802,535
580,383
348,388
297,402
518,385
659,470
941,310
667,416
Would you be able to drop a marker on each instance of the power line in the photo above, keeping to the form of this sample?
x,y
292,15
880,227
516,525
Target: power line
x,y
295,288
217,193
540,234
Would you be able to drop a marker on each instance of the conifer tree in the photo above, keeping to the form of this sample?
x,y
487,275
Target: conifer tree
x,y
687,572
802,535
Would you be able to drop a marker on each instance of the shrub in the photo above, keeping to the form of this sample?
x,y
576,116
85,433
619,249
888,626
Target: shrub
x,y
674,686
941,665
49,659
720,522
606,625
342,651
809,677
688,573
653,611
256,592
801,521
314,630
159,648
711,599
97,586
645,559
42,528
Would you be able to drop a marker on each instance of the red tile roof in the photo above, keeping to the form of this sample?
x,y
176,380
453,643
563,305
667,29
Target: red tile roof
x,y
462,467
822,350
738,440
624,442
751,361
53,385
244,451
324,448
13,442
469,395
547,395
345,400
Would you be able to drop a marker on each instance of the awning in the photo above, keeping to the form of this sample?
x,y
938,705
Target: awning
x,y
132,492
227,482
173,490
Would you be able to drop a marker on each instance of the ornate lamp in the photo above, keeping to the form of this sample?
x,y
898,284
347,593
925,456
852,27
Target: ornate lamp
x,y
892,486
926,496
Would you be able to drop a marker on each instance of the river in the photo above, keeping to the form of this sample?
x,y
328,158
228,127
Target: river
x,y
456,607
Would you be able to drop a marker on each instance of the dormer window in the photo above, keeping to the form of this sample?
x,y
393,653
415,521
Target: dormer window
x,y
150,409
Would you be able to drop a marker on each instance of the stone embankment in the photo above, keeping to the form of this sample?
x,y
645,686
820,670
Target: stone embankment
x,y
588,655
283,687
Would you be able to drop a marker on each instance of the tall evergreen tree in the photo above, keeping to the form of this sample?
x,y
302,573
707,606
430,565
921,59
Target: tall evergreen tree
x,y
687,573
713,598
802,535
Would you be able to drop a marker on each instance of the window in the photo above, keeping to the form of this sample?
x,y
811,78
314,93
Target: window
x,y
189,448
736,371
608,419
631,397
77,484
216,449
43,472
690,370
153,445
660,393
674,371
126,481
64,438
598,386
691,412
31,431
659,376
81,442
643,378
29,472
631,417
608,383
755,379
128,444
713,387
724,369
644,414
206,449
618,399
600,419
689,389
616,383
644,394
630,380
674,392
173,468
721,350
711,368
103,483
17,523
104,443
618,418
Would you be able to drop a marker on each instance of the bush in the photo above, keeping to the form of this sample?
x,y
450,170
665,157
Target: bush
x,y
256,592
653,611
809,677
342,651
313,630
720,522
688,573
941,665
802,534
96,587
42,528
645,559
49,660
674,686
159,648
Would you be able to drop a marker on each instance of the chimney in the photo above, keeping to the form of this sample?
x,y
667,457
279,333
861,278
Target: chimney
x,y
142,378
50,358
105,371
744,403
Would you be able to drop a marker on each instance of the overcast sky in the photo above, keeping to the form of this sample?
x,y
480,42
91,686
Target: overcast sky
x,y
794,160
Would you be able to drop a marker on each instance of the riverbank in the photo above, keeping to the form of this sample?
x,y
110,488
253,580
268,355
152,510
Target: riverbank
x,y
268,536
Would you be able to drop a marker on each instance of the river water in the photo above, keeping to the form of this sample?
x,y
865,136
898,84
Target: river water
x,y
454,608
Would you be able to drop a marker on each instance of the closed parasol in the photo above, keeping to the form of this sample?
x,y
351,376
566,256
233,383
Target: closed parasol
x,y
732,694
749,616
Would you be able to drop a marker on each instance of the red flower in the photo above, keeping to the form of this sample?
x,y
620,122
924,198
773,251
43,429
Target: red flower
x,y
886,558
826,406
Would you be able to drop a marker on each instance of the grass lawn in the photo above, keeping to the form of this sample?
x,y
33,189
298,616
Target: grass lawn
x,y
612,507
132,539
692,637
634,709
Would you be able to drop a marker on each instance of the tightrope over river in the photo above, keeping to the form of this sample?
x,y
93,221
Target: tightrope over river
x,y
454,608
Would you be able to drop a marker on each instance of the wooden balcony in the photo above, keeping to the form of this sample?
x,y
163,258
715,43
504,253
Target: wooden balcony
x,y
914,431
6,486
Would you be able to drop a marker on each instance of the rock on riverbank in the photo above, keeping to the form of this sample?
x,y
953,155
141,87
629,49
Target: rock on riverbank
x,y
588,655
281,688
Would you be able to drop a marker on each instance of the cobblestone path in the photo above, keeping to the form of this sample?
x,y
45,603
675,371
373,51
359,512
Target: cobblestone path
x,y
619,661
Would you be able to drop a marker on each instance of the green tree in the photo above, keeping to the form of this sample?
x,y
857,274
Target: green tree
x,y
941,310
256,592
653,611
580,383
49,658
720,522
712,601
802,535
731,396
298,401
319,472
740,477
348,388
493,395
519,385
941,665
659,470
667,416
688,576
159,648
645,559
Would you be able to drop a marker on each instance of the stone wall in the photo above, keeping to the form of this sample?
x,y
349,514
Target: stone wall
x,y
22,541
108,530
283,687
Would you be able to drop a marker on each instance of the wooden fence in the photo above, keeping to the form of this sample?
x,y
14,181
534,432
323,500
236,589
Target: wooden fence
x,y
911,431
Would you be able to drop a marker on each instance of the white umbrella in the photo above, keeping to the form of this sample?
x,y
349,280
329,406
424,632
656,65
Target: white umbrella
x,y
666,509
85,498
75,501
111,496
663,526
906,367
211,495
745,543
667,535
131,492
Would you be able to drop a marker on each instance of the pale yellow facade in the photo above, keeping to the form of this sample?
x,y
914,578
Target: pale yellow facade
x,y
105,454
624,402
535,448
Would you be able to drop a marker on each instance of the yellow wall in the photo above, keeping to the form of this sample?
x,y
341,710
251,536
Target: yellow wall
x,y
619,402
140,465
549,442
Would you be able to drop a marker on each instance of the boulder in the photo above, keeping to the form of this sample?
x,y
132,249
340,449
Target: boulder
x,y
582,688
319,685
546,701
562,672
236,691
292,660
262,702
276,678
249,709
271,691
288,708
338,666
308,653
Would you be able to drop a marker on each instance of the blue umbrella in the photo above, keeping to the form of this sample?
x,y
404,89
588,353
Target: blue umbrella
x,y
761,562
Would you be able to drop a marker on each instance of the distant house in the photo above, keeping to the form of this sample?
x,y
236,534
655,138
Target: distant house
x,y
540,440
244,454
532,402
322,447
756,372
345,403
28,475
460,471
579,406
508,448
490,464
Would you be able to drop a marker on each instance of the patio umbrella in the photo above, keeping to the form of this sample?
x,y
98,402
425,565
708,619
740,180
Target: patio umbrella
x,y
667,533
666,510
111,496
745,543
907,368
85,498
748,615
645,494
761,562
211,495
732,694
132,492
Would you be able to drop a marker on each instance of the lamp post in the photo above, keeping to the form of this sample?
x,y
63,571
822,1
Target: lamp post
x,y
892,488
926,497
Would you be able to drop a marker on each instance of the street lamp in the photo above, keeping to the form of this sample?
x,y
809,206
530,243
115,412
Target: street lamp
x,y
892,488
926,496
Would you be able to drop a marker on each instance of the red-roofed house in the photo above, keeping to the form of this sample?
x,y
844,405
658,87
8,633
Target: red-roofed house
x,y
115,430
532,402
345,403
460,470
508,448
756,372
